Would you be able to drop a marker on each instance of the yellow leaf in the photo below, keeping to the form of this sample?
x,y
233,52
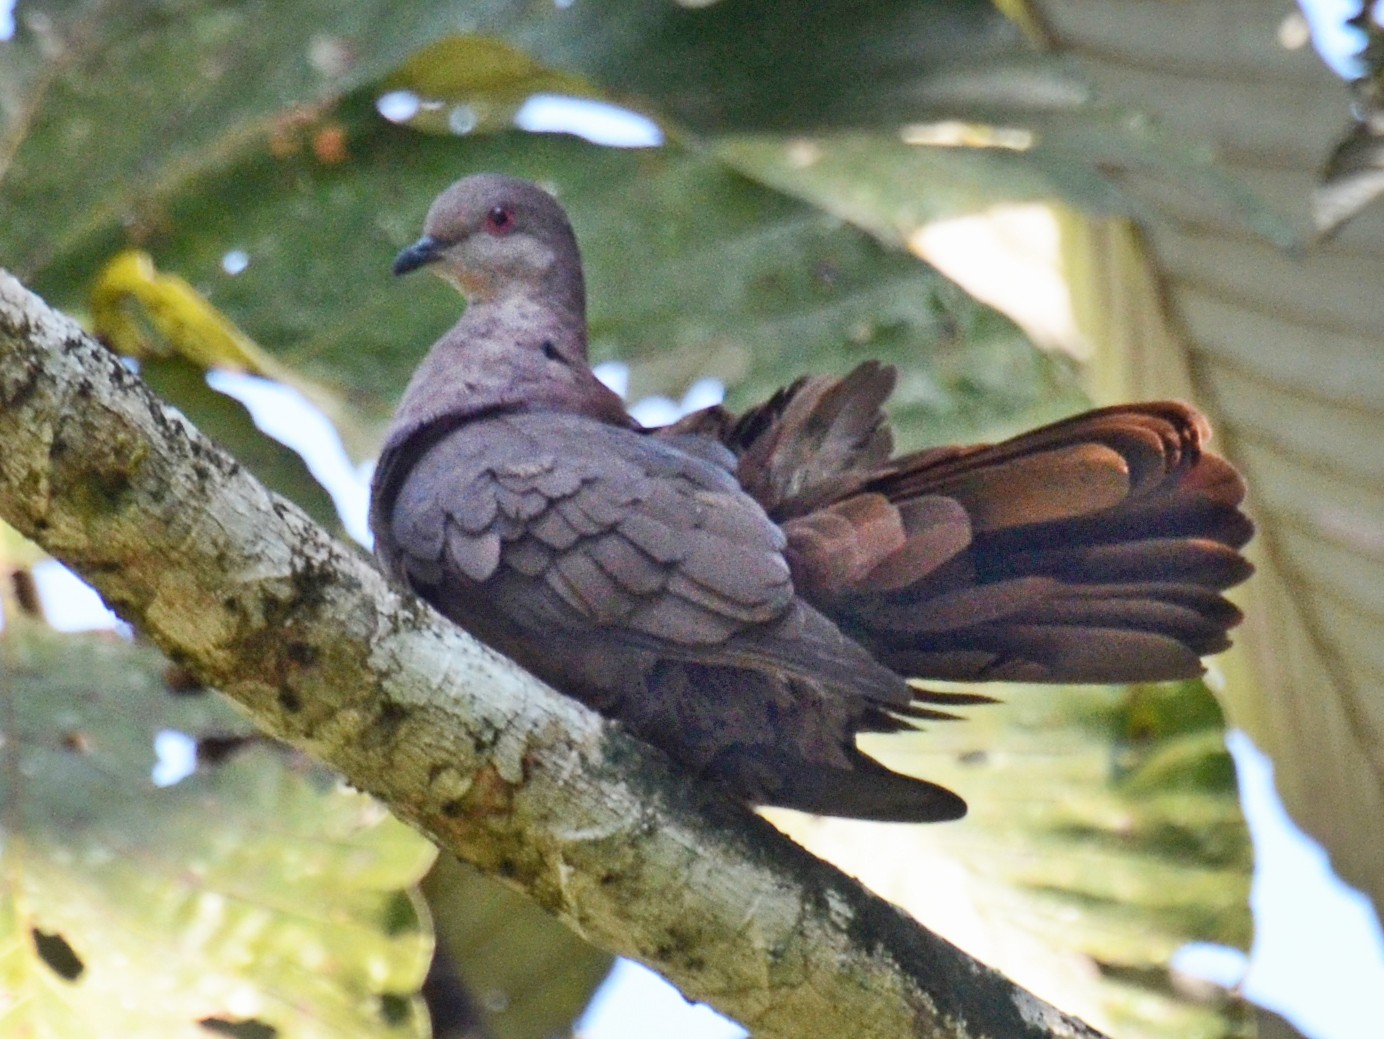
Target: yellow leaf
x,y
143,314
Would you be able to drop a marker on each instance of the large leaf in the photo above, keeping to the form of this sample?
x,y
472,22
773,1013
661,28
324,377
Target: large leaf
x,y
255,890
530,976
108,107
1286,347
176,337
1108,815
108,102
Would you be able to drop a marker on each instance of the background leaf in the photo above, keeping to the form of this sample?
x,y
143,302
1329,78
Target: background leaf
x,y
1103,834
767,238
1285,347
255,890
529,974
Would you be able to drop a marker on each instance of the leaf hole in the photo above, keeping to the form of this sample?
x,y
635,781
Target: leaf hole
x,y
400,915
395,1010
61,958
175,757
245,1028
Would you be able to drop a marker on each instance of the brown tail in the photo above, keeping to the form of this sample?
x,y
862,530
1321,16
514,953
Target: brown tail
x,y
1091,550
863,789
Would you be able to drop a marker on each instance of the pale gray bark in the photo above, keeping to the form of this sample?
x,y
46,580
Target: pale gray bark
x,y
245,591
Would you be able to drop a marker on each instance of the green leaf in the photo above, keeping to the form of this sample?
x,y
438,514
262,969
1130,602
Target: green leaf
x,y
255,890
830,75
693,271
89,153
1285,348
229,422
762,65
1104,827
530,975
482,81
89,146
113,104
874,180
178,337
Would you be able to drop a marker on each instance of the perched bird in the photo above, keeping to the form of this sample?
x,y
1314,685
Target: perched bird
x,y
749,593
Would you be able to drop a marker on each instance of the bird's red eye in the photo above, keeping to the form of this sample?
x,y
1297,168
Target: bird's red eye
x,y
500,220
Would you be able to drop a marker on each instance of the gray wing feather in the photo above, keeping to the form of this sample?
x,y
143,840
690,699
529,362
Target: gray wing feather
x,y
568,523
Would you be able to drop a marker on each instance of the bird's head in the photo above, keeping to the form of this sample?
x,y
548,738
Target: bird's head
x,y
490,236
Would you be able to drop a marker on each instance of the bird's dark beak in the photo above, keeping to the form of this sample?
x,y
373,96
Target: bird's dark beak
x,y
421,253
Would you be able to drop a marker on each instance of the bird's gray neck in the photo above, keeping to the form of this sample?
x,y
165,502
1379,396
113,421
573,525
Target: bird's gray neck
x,y
564,288
494,358
522,319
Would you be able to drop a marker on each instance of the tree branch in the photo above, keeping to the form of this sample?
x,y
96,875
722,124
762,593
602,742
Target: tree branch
x,y
244,590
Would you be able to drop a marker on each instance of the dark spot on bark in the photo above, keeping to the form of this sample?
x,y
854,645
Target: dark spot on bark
x,y
290,701
180,681
454,808
19,394
121,603
60,957
680,944
301,653
388,719
483,744
309,580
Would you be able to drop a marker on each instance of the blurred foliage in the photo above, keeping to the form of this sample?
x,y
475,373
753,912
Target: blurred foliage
x,y
763,240
530,978
1283,347
1107,814
255,890
176,336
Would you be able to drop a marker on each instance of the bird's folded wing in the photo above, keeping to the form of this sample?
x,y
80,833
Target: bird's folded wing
x,y
600,531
